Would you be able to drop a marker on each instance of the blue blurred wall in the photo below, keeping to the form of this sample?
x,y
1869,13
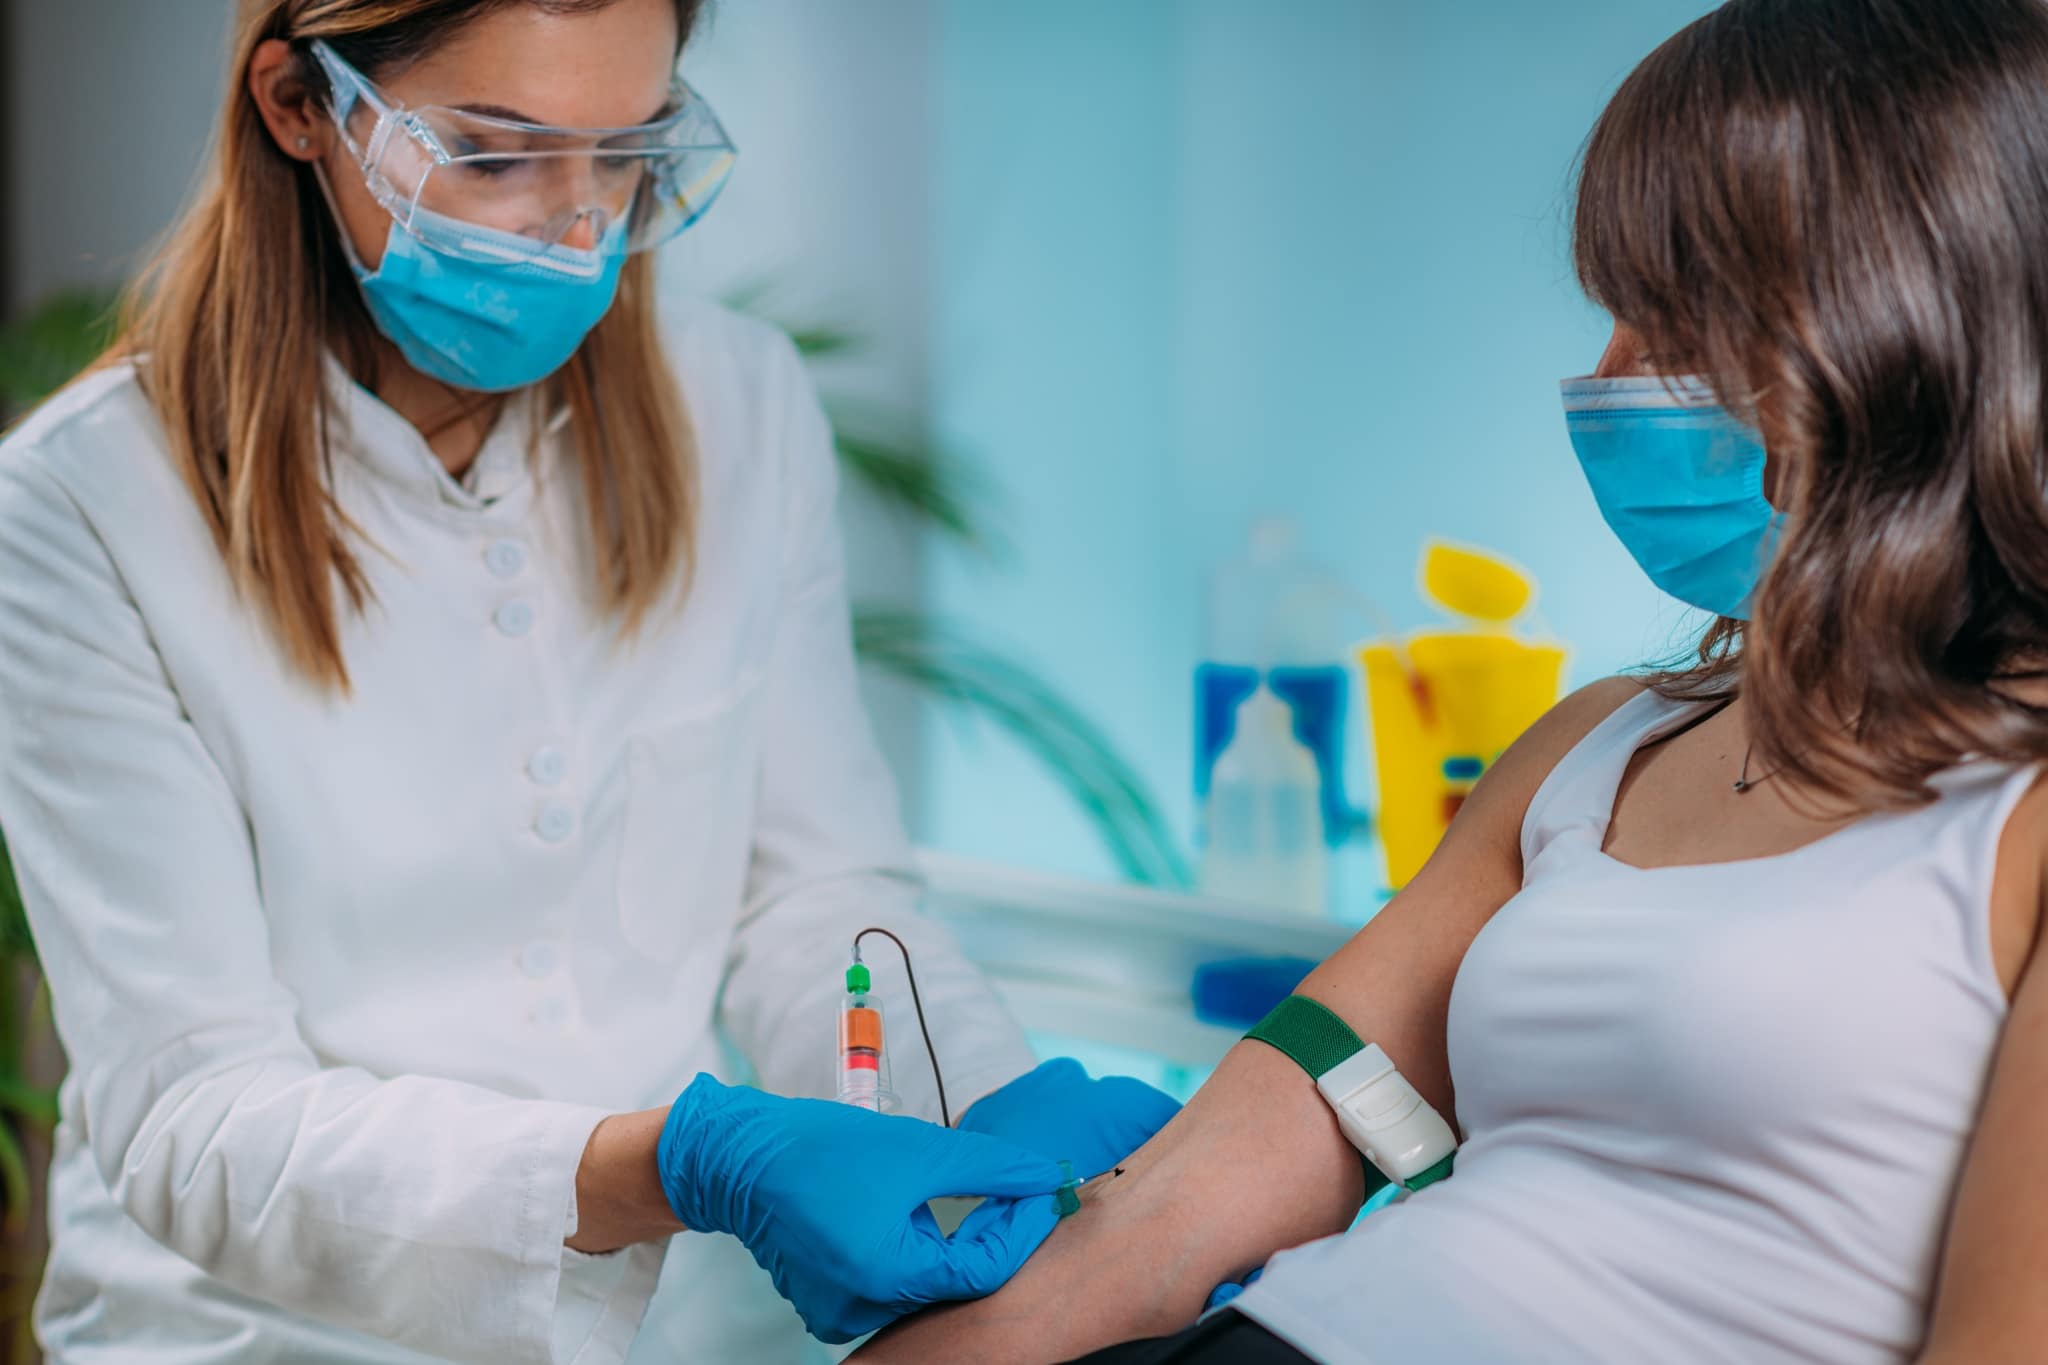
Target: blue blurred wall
x,y
1198,260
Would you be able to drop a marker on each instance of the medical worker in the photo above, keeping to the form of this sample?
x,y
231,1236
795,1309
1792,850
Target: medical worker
x,y
427,712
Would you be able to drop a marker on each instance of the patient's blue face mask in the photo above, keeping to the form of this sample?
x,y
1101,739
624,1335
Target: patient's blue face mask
x,y
1681,483
492,328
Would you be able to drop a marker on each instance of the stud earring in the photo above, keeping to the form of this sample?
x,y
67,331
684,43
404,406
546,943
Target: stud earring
x,y
304,143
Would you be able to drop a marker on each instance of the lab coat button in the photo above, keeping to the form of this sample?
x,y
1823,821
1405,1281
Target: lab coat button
x,y
555,822
552,1013
547,766
515,618
538,959
505,558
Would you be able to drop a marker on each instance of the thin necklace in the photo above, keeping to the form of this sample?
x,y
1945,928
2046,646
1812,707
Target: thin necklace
x,y
1743,783
467,410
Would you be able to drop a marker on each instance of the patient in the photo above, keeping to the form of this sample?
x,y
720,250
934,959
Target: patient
x,y
1725,973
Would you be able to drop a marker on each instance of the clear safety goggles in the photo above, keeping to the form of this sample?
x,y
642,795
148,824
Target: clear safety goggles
x,y
498,191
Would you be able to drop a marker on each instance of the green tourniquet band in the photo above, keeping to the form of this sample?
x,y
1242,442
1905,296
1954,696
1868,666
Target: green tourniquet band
x,y
1308,1033
1432,1175
1316,1040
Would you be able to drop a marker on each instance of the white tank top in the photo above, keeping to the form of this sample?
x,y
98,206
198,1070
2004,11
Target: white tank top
x,y
1712,1113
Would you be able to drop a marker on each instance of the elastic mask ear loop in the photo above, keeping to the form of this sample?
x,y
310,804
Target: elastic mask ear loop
x,y
348,247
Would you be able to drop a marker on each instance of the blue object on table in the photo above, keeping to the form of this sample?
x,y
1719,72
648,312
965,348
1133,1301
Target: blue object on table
x,y
1219,690
1238,992
1315,696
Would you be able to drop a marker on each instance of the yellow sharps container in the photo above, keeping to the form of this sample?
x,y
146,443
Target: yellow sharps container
x,y
1446,703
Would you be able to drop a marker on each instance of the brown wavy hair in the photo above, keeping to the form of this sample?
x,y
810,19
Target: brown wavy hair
x,y
230,323
1837,212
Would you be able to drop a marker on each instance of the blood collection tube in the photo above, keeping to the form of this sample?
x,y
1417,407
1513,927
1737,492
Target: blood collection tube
x,y
863,1061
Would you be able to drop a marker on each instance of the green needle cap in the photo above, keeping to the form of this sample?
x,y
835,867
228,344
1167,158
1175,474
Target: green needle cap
x,y
1069,1193
857,978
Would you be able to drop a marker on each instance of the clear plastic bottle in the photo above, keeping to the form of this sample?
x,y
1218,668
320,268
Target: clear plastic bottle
x,y
1264,815
1275,607
863,1058
1277,618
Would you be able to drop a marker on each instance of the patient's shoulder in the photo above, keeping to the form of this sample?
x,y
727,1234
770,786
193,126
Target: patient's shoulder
x,y
2019,887
1500,802
1572,719
1529,759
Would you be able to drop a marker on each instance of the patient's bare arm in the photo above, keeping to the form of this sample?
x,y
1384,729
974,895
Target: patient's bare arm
x,y
1255,1162
1203,1202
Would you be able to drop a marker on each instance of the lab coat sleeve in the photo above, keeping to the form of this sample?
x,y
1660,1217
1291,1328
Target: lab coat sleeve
x,y
423,1211
830,855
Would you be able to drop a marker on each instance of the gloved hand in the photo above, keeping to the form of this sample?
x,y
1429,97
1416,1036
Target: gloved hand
x,y
1058,1112
1230,1289
830,1199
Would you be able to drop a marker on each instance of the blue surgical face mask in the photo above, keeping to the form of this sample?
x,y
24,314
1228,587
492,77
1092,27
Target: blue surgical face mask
x,y
1680,481
492,328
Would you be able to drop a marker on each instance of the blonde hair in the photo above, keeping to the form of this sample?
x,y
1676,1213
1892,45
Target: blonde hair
x,y
230,324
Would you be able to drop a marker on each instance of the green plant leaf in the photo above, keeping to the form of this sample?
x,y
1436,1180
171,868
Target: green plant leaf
x,y
21,1277
944,660
46,347
814,340
15,939
823,341
20,1281
909,475
31,1103
17,947
14,1183
883,449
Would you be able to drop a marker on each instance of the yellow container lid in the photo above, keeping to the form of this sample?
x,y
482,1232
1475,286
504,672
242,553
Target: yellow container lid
x,y
1476,584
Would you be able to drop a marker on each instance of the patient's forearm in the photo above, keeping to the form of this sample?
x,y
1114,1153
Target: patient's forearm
x,y
1253,1164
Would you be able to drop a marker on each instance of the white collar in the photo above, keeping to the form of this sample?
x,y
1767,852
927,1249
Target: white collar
x,y
369,431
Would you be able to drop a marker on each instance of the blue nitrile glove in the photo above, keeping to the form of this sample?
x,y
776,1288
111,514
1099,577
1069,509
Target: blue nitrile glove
x,y
1058,1112
1230,1289
830,1199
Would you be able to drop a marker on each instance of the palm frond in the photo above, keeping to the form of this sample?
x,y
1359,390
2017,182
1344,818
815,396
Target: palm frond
x,y
14,1185
881,449
822,341
945,661
814,340
909,475
17,947
27,1101
15,939
888,454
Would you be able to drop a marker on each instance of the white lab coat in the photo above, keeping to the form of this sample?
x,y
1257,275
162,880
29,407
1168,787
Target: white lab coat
x,y
347,982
